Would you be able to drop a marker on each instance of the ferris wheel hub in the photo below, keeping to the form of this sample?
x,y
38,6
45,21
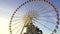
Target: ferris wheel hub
x,y
27,19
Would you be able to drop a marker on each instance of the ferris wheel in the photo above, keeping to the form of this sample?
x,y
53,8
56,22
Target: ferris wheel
x,y
41,13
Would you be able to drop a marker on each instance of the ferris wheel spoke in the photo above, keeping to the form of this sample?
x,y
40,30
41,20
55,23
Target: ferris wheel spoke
x,y
44,7
43,25
45,12
15,19
45,21
16,27
15,24
17,30
22,29
48,21
48,16
48,10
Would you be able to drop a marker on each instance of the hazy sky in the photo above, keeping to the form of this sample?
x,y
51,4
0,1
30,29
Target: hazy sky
x,y
7,7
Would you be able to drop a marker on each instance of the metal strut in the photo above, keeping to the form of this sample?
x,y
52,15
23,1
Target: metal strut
x,y
31,29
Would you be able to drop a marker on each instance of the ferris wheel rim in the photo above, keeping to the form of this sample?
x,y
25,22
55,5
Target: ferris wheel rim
x,y
31,1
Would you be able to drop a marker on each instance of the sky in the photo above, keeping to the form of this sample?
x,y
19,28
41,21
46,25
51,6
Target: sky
x,y
7,8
